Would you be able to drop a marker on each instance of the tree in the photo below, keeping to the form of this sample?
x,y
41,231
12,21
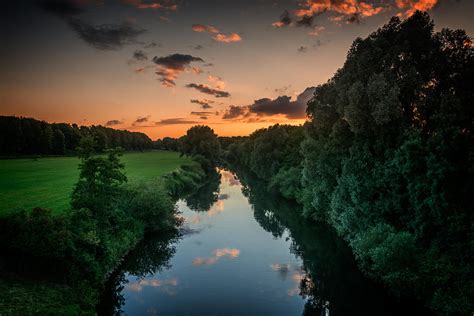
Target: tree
x,y
201,140
99,179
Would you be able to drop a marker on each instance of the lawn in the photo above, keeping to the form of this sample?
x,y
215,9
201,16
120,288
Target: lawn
x,y
48,182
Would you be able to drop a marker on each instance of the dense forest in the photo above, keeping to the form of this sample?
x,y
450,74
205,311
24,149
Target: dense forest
x,y
27,136
386,159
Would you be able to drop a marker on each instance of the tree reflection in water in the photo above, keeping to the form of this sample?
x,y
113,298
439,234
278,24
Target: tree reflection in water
x,y
149,257
329,279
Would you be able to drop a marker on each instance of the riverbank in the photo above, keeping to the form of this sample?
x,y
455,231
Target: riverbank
x,y
56,264
48,182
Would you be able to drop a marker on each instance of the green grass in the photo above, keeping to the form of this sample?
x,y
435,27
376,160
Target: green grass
x,y
48,182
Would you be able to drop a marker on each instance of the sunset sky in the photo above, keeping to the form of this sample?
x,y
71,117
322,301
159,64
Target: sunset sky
x,y
161,66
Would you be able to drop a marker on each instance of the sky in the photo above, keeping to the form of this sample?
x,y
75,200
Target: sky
x,y
162,66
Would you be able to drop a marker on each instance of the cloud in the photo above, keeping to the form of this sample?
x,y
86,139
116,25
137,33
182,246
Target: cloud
x,y
113,122
284,20
204,113
205,104
106,36
173,65
208,90
140,55
317,30
61,8
217,254
204,28
302,49
217,81
140,121
176,121
234,111
353,10
155,5
306,20
223,196
282,105
410,6
283,89
152,45
230,38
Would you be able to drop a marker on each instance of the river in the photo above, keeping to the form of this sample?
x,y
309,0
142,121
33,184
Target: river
x,y
243,251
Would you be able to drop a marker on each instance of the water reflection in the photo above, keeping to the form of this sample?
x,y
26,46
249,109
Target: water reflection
x,y
244,251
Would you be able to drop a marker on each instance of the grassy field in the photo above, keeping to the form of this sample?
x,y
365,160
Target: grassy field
x,y
48,182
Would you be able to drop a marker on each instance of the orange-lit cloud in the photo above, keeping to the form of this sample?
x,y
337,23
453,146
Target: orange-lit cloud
x,y
230,178
218,253
204,28
230,38
351,10
216,209
140,284
199,261
411,6
155,5
217,81
347,7
169,67
229,252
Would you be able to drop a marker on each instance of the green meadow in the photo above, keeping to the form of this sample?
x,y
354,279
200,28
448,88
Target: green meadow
x,y
48,182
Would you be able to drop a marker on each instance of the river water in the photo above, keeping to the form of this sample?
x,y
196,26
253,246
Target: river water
x,y
243,251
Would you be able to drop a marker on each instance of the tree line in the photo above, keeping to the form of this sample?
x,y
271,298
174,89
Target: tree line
x,y
28,136
386,158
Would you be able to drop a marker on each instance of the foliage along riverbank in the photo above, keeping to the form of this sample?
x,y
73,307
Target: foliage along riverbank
x,y
386,159
57,264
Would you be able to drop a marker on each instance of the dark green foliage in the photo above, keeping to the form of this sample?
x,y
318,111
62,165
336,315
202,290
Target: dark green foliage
x,y
79,248
200,140
273,154
387,159
27,136
167,143
100,178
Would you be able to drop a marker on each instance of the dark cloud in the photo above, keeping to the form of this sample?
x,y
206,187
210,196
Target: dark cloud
x,y
223,196
283,89
203,113
302,49
282,105
235,111
141,120
140,55
354,18
203,103
176,61
306,21
152,45
208,90
284,20
113,122
60,8
168,5
176,121
106,36
173,65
